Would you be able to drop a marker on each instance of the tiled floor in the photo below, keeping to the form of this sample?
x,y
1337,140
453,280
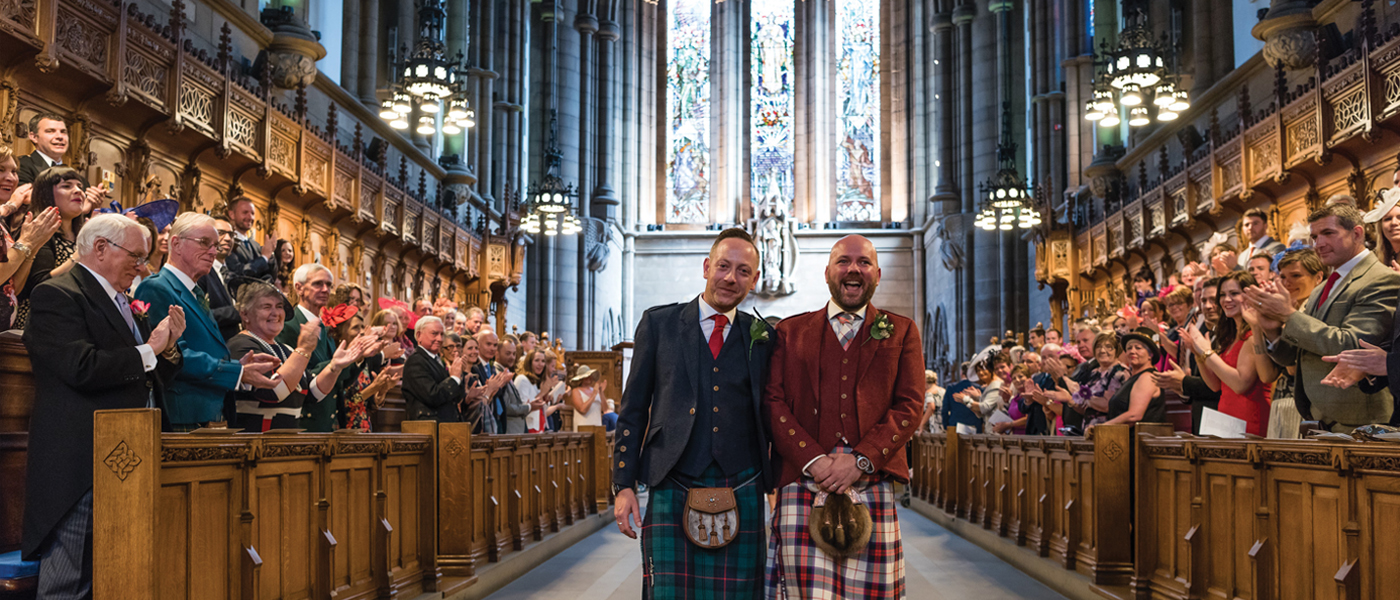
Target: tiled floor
x,y
938,564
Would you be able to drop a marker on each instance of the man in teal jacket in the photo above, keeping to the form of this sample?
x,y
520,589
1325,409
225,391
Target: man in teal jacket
x,y
195,398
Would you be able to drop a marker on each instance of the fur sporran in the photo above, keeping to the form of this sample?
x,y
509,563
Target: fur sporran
x,y
711,517
839,524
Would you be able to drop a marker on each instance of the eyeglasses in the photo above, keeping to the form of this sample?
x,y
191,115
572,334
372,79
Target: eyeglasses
x,y
223,233
140,258
204,243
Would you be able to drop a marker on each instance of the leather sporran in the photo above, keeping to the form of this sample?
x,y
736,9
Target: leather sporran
x,y
840,524
711,517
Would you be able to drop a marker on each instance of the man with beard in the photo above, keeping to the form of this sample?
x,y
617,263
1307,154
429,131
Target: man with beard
x,y
246,258
843,398
693,400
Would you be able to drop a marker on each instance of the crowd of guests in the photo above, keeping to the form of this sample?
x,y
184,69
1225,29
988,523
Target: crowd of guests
x,y
1284,338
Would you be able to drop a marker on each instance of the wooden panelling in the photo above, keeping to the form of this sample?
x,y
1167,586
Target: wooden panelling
x,y
353,516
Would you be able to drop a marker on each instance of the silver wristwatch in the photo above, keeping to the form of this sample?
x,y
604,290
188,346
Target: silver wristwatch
x,y
864,464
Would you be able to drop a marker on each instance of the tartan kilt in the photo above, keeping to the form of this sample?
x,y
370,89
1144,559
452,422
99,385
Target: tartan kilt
x,y
797,568
674,568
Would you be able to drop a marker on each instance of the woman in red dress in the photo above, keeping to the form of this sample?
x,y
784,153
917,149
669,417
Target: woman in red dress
x,y
1229,363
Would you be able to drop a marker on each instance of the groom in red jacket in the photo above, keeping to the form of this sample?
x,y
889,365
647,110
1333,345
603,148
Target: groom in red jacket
x,y
844,395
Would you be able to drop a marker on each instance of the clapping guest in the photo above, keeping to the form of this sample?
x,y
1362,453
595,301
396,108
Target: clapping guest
x,y
1017,406
365,393
1138,399
285,264
1092,399
60,188
433,388
313,284
1356,304
208,373
90,351
1222,259
260,307
248,260
35,231
503,400
1230,360
1388,233
586,397
1299,271
388,323
535,383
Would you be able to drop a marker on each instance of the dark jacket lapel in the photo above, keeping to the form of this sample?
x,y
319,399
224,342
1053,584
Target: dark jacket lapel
x,y
690,351
92,289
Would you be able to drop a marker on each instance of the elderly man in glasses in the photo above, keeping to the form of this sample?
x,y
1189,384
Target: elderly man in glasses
x,y
196,396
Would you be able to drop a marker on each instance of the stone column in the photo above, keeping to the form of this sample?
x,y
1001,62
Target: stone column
x,y
369,52
350,47
457,38
605,202
1202,49
945,105
586,24
814,98
963,17
485,86
729,129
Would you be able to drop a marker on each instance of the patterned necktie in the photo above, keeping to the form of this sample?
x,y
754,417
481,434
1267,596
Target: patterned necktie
x,y
203,299
717,336
125,310
845,328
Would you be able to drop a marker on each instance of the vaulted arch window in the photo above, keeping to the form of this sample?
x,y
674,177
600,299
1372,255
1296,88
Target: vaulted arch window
x,y
771,144
791,93
688,111
858,110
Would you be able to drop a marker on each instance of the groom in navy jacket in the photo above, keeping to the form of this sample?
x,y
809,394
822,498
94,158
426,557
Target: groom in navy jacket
x,y
691,418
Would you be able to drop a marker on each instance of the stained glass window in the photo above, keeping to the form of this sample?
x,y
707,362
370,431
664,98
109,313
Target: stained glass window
x,y
771,143
858,110
688,111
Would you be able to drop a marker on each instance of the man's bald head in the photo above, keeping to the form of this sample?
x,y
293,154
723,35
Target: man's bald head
x,y
486,344
852,272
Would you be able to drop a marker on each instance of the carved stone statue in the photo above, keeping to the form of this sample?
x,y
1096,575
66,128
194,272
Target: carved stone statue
x,y
772,228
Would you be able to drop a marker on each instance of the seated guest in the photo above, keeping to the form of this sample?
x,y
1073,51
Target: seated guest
x,y
61,188
260,307
1255,226
365,393
90,351
432,388
1138,399
1299,271
35,231
1230,361
313,283
1355,304
207,374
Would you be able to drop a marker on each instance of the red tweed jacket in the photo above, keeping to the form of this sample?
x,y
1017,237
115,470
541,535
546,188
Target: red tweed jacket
x,y
889,393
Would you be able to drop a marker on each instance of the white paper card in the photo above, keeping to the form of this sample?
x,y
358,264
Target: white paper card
x,y
998,418
965,429
1219,424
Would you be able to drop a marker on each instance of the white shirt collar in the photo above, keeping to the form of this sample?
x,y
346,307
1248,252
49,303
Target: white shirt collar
x,y
218,266
1347,266
182,276
51,162
306,312
832,309
1263,241
238,235
707,311
425,350
106,285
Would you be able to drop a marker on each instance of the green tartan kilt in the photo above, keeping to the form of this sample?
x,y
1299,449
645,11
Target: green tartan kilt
x,y
674,568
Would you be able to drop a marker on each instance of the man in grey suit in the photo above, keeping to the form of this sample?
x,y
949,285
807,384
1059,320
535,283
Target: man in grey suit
x,y
690,419
1355,304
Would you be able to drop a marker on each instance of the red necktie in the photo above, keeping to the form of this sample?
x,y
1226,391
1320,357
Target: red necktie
x,y
717,336
1327,289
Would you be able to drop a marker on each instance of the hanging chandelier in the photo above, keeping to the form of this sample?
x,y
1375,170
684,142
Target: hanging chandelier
x,y
1006,202
551,201
428,82
1134,77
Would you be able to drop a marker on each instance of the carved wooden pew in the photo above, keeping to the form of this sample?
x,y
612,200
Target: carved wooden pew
x,y
260,515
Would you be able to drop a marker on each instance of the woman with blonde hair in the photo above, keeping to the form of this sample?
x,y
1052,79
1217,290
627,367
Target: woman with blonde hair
x,y
536,381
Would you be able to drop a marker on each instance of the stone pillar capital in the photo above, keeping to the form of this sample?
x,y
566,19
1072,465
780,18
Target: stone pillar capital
x,y
942,22
964,14
608,31
586,24
997,6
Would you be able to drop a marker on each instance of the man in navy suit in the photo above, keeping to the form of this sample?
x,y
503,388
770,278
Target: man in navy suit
x,y
197,394
691,418
247,259
91,351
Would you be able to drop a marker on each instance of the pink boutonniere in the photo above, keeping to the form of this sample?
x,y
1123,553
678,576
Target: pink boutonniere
x,y
139,308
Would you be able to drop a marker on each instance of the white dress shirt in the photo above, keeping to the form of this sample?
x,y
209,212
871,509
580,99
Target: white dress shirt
x,y
707,322
1253,250
148,354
